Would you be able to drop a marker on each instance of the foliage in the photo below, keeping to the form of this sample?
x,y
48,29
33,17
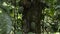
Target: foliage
x,y
7,16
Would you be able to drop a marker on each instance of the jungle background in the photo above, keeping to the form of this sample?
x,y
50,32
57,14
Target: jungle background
x,y
11,14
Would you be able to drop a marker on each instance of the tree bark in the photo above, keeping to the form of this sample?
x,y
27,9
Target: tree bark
x,y
32,13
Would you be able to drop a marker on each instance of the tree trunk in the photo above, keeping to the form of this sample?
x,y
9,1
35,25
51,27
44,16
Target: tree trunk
x,y
32,13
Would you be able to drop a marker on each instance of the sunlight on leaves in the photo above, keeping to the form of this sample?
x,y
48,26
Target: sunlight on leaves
x,y
0,11
57,33
19,16
4,4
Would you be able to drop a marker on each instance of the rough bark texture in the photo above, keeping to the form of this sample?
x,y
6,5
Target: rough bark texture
x,y
32,13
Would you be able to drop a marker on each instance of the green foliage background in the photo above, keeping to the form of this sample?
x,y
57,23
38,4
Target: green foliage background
x,y
7,19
